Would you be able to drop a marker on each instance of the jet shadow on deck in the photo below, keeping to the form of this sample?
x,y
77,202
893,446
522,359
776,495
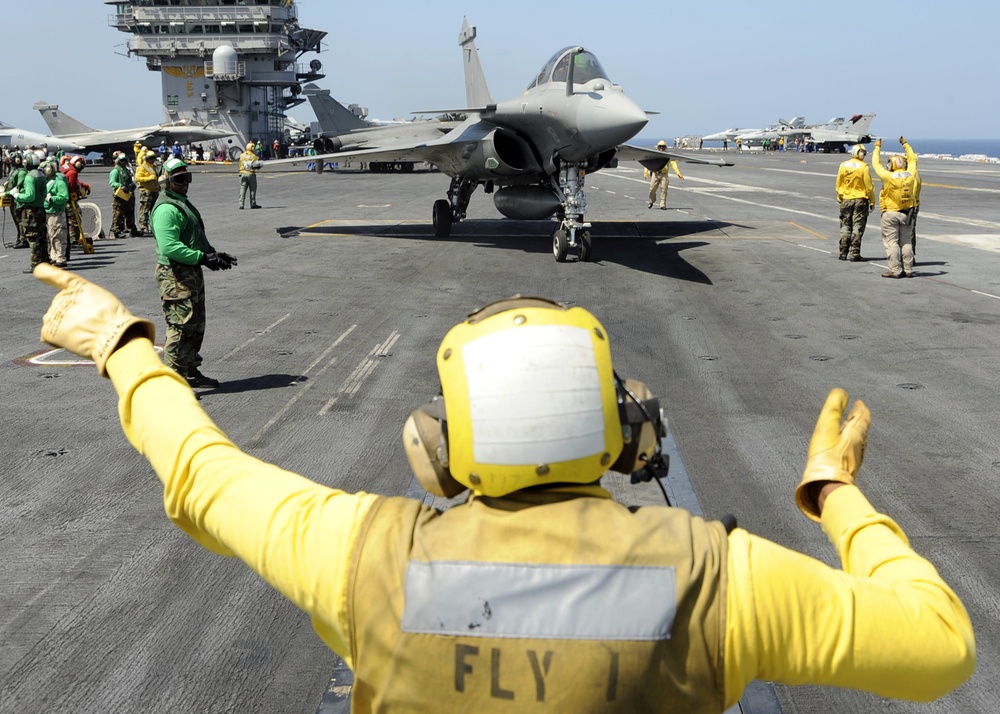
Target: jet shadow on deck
x,y
650,246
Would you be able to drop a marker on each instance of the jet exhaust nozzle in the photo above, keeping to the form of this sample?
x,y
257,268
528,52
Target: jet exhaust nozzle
x,y
527,203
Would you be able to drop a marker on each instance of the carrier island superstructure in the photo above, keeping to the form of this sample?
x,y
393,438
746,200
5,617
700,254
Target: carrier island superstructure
x,y
231,64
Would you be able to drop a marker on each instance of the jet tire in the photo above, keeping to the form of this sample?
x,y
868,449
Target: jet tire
x,y
560,244
586,246
442,218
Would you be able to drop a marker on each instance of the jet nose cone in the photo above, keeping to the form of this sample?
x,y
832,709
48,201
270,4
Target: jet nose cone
x,y
611,119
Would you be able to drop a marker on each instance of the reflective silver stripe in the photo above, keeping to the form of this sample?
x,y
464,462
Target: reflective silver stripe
x,y
527,600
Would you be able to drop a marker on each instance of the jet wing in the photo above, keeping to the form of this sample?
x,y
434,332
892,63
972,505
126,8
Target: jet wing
x,y
100,140
117,138
441,152
655,160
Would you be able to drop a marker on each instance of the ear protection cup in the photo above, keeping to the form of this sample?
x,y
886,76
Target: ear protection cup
x,y
426,446
642,427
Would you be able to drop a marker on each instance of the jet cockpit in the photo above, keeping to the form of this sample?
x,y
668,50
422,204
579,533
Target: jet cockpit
x,y
586,67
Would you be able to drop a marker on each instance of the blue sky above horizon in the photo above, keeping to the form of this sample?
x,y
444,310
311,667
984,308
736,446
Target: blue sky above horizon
x,y
918,65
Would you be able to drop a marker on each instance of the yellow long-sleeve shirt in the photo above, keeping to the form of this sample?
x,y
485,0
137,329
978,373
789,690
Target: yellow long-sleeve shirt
x,y
854,180
900,189
665,171
887,623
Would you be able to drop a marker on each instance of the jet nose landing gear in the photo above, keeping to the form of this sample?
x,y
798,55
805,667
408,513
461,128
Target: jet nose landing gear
x,y
572,232
563,240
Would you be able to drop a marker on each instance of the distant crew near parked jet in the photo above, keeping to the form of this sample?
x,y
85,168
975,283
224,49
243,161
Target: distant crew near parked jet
x,y
660,180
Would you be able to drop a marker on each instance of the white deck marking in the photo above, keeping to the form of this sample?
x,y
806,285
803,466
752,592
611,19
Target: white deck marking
x,y
353,383
305,387
250,341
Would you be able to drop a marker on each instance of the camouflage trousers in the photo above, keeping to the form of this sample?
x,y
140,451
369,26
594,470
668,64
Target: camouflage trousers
x,y
34,231
146,201
182,290
15,213
123,215
853,219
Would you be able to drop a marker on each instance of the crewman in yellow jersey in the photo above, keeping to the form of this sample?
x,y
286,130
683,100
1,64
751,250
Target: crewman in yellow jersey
x,y
897,200
856,195
540,591
660,179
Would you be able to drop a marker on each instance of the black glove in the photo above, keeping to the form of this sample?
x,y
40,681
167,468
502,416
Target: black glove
x,y
230,260
213,261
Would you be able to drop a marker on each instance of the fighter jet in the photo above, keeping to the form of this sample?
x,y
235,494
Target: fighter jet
x,y
771,133
66,127
834,135
727,134
12,136
532,152
344,130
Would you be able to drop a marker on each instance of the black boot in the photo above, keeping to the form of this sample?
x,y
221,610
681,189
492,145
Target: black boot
x,y
197,379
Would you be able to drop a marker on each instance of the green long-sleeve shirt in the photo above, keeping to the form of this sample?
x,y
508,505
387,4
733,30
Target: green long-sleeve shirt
x,y
57,194
179,230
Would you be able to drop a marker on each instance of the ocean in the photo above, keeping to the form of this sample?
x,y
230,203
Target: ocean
x,y
950,147
972,149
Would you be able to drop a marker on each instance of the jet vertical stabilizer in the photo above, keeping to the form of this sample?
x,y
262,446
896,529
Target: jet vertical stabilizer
x,y
477,93
333,117
60,123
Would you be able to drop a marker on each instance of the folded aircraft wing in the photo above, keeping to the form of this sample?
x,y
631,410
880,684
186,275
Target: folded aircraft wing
x,y
654,159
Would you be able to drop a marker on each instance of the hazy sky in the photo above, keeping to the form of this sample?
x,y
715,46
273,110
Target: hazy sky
x,y
704,66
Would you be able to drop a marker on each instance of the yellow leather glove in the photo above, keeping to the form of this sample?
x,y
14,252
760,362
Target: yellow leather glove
x,y
835,451
86,319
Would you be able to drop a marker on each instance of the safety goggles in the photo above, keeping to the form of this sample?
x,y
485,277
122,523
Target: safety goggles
x,y
182,178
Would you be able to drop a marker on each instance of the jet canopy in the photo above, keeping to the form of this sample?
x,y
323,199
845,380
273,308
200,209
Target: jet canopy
x,y
585,68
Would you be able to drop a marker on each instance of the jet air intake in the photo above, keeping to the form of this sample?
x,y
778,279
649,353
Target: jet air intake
x,y
501,153
527,203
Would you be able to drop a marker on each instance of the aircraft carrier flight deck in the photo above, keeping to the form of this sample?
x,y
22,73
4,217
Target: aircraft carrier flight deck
x,y
731,305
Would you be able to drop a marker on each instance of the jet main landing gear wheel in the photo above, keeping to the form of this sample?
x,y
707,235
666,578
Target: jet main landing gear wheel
x,y
442,218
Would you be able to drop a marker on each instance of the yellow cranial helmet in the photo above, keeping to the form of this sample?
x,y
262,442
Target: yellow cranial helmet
x,y
897,163
859,152
529,397
661,144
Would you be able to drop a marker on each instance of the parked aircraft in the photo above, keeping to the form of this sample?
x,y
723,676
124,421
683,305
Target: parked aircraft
x,y
66,127
344,130
725,134
12,136
534,151
834,135
770,133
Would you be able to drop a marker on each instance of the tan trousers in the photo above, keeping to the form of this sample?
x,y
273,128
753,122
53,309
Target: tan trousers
x,y
659,181
897,238
58,237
